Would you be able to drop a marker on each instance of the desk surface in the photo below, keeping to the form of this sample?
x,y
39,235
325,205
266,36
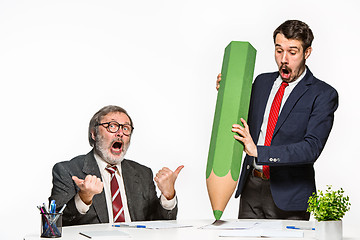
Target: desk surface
x,y
193,232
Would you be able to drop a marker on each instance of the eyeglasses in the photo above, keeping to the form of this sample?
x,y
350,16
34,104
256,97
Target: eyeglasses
x,y
113,127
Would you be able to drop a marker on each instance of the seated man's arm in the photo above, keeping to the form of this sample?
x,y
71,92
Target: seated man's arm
x,y
165,180
65,191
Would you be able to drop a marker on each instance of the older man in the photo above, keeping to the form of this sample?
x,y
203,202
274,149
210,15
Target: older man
x,y
102,186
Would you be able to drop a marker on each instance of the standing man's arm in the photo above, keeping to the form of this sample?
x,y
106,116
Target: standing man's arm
x,y
303,134
306,130
244,136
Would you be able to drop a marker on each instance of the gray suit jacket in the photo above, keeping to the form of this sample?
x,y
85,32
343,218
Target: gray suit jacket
x,y
143,203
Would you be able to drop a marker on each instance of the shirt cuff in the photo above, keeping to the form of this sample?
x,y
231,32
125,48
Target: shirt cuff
x,y
168,204
80,205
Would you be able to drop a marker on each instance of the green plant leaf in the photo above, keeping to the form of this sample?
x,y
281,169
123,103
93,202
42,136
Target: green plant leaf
x,y
331,205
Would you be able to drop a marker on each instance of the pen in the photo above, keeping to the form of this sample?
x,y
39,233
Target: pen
x,y
63,207
83,234
45,207
52,206
57,216
129,226
300,228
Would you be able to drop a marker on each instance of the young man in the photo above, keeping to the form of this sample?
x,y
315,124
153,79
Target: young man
x,y
102,186
290,118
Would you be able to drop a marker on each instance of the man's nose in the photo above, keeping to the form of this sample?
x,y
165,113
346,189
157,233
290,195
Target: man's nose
x,y
284,58
119,132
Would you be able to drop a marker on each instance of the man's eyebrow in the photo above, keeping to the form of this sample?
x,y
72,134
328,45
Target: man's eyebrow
x,y
126,122
292,47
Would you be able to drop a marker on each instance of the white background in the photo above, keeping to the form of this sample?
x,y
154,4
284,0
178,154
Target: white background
x,y
61,61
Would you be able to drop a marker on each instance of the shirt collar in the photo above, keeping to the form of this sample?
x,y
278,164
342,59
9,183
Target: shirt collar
x,y
103,164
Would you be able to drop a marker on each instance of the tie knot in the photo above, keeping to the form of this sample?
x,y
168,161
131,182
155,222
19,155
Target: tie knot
x,y
284,84
111,169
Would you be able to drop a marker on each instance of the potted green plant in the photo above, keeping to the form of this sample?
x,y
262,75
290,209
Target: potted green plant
x,y
328,209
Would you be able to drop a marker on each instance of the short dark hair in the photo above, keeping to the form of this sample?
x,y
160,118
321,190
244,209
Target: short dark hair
x,y
295,29
95,120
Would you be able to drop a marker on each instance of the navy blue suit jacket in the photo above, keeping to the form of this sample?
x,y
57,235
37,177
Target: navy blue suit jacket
x,y
301,132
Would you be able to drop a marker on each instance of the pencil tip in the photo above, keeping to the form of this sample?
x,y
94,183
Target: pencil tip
x,y
218,214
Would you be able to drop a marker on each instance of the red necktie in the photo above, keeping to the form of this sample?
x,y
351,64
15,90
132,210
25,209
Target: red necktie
x,y
118,210
273,117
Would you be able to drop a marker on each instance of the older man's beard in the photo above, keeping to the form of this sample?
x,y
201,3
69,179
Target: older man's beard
x,y
103,152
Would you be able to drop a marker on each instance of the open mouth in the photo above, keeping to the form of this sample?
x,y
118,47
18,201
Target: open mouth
x,y
116,147
285,72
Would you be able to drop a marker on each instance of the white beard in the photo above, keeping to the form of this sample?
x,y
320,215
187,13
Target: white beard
x,y
103,152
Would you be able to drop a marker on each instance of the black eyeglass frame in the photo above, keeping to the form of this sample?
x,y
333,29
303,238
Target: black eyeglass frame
x,y
119,126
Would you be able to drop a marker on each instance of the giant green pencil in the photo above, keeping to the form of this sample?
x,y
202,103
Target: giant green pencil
x,y
225,153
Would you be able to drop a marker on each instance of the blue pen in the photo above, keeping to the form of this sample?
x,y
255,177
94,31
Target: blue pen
x,y
300,228
57,216
52,206
129,226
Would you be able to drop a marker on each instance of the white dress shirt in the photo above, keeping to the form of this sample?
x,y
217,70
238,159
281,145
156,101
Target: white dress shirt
x,y
275,88
106,177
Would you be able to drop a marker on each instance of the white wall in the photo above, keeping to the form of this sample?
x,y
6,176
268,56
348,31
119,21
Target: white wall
x,y
61,61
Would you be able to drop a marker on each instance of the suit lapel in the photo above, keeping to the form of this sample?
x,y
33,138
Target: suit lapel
x,y
260,103
99,201
132,186
294,97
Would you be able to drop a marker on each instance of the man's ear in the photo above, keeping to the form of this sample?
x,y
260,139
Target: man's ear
x,y
308,52
93,135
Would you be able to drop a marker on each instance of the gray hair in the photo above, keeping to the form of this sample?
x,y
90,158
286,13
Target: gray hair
x,y
95,120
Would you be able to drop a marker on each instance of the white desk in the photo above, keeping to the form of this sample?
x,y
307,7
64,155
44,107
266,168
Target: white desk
x,y
187,233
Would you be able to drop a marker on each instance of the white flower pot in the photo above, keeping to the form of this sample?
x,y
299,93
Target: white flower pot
x,y
328,230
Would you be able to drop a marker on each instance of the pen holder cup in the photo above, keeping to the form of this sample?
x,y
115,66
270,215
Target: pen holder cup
x,y
51,225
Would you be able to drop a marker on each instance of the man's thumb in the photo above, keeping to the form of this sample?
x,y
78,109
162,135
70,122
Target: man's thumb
x,y
77,180
177,171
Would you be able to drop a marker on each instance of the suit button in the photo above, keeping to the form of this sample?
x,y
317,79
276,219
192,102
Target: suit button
x,y
248,167
271,159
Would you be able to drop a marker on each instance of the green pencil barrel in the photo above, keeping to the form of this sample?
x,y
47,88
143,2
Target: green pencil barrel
x,y
225,153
